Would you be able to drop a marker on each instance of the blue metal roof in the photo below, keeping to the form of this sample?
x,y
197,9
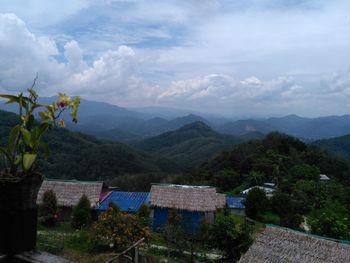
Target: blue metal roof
x,y
126,201
235,202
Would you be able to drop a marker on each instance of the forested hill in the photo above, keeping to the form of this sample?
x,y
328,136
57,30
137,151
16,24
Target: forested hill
x,y
338,145
295,168
272,158
78,156
188,146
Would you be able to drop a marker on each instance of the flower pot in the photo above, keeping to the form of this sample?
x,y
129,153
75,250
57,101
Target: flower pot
x,y
18,213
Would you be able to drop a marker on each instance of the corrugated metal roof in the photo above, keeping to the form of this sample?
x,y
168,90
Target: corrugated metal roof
x,y
126,201
235,202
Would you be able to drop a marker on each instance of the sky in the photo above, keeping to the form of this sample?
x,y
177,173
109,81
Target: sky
x,y
230,57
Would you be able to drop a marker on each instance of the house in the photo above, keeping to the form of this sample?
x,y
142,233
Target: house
x,y
69,192
126,201
268,188
236,205
324,177
276,244
193,203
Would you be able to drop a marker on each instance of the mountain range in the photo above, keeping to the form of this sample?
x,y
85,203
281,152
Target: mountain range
x,y
107,121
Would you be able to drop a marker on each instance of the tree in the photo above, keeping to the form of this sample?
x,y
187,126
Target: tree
x,y
226,179
331,221
229,234
281,204
143,215
48,209
305,172
82,213
255,203
118,230
174,233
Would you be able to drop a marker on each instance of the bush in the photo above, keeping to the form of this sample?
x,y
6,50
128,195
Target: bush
x,y
331,221
82,213
229,234
116,230
270,218
48,209
255,203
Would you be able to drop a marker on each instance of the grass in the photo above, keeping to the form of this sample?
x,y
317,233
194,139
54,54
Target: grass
x,y
73,245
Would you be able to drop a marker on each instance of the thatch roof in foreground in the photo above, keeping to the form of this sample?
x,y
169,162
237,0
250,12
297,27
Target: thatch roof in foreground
x,y
283,245
68,193
185,197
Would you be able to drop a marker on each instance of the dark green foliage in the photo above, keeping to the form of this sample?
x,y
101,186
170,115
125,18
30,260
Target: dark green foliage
x,y
304,172
270,218
82,213
174,233
114,207
255,203
143,215
227,179
281,204
292,220
48,209
229,234
333,221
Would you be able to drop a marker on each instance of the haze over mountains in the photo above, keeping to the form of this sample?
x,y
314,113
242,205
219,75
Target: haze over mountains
x,y
115,123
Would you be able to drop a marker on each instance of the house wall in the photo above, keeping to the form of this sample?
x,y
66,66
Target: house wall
x,y
191,221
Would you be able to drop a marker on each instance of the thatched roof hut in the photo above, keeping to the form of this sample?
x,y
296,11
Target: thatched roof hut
x,y
284,245
68,193
185,197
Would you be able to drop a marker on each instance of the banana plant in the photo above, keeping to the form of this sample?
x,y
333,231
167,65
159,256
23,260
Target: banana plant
x,y
25,139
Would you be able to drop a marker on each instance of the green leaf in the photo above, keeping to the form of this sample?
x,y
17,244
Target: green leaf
x,y
46,149
11,98
28,160
12,138
6,153
30,122
26,137
41,129
18,159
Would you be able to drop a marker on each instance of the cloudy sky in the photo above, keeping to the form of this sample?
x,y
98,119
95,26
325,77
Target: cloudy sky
x,y
252,57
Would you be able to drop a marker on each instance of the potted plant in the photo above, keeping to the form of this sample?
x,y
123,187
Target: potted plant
x,y
20,181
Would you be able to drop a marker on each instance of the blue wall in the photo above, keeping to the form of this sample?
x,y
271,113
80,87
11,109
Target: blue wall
x,y
191,221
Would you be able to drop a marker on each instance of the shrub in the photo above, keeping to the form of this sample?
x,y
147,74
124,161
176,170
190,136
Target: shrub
x,y
229,234
255,203
270,218
116,230
82,213
48,209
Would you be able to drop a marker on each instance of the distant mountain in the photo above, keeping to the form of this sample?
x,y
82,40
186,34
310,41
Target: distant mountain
x,y
303,128
243,127
107,121
338,145
189,145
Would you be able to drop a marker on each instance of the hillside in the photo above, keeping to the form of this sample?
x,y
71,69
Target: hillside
x,y
188,146
78,156
273,157
295,168
338,145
